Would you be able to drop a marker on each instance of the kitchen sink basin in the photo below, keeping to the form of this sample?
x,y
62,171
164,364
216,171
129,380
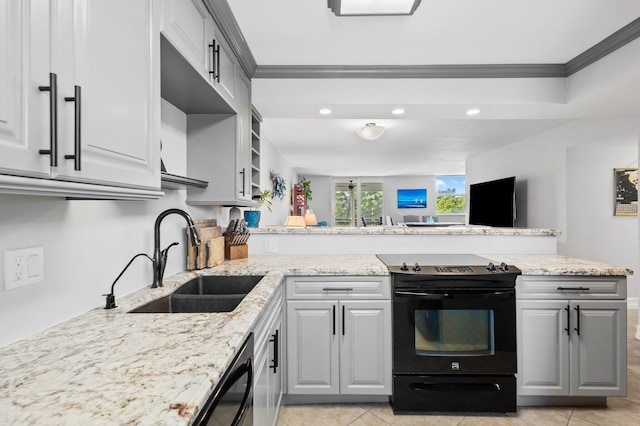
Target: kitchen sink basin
x,y
219,285
207,293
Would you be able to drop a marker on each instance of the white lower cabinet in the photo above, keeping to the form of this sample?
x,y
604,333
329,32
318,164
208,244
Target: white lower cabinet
x,y
268,363
336,345
572,337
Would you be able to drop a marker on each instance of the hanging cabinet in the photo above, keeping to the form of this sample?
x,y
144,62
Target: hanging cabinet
x,y
71,114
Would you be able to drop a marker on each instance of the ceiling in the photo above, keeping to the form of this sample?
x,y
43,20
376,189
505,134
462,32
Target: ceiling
x,y
434,136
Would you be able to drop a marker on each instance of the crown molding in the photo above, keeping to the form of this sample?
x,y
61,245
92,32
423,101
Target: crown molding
x,y
412,71
222,15
224,19
615,41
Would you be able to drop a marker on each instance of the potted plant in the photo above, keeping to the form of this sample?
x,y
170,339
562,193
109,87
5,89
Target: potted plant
x,y
307,188
252,216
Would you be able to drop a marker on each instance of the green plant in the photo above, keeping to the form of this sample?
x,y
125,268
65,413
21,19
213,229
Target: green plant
x,y
307,187
263,200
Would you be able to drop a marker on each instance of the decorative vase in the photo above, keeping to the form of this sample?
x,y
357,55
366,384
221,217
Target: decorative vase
x,y
252,217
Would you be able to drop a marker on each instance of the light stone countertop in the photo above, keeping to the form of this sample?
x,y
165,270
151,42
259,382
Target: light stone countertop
x,y
112,367
552,264
405,230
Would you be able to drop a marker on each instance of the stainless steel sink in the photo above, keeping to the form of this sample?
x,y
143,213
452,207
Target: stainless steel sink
x,y
207,293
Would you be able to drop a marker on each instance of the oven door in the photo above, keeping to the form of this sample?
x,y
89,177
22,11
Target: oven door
x,y
454,331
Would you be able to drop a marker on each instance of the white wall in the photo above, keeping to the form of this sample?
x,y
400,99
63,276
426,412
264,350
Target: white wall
x,y
552,166
593,232
393,183
271,160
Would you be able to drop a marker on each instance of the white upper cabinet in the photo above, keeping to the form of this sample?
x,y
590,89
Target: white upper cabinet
x,y
189,27
24,110
225,67
117,73
80,98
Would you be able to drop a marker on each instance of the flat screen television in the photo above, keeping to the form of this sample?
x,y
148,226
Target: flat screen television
x,y
493,203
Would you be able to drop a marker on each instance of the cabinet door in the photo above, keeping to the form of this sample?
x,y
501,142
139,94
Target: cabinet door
x,y
226,69
365,347
189,27
312,347
599,351
275,374
25,64
243,141
543,347
261,392
118,72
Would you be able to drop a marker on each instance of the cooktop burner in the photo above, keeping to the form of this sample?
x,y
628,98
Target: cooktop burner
x,y
444,264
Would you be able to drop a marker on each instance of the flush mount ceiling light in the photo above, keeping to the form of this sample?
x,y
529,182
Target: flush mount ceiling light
x,y
373,7
370,131
473,111
397,111
325,111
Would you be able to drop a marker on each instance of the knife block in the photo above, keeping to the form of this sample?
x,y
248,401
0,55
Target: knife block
x,y
240,251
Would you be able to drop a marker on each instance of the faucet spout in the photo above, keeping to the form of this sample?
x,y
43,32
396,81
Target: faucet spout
x,y
159,260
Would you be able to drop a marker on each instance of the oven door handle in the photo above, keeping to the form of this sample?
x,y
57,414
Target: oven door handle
x,y
452,294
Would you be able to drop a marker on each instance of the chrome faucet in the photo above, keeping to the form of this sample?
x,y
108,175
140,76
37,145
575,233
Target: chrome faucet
x,y
160,256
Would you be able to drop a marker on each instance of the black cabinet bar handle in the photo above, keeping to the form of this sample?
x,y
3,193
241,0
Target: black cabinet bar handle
x,y
568,329
77,141
343,326
574,288
334,320
52,88
274,339
337,289
577,329
243,173
218,61
212,59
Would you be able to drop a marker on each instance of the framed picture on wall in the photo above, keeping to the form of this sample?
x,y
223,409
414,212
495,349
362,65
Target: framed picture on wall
x,y
412,198
626,191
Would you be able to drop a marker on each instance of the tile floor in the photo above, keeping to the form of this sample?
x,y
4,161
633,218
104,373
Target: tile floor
x,y
620,411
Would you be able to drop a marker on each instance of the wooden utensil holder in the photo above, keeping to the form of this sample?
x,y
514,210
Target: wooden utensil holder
x,y
240,251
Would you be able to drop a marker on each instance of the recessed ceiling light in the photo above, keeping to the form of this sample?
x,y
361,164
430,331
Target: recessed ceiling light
x,y
473,111
367,7
325,111
397,111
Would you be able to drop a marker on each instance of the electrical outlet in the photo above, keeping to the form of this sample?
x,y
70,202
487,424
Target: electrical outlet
x,y
23,267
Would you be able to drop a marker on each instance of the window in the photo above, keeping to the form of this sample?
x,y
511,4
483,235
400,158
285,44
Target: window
x,y
355,199
450,195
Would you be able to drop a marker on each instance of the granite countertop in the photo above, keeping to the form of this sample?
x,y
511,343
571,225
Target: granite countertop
x,y
405,230
552,264
112,367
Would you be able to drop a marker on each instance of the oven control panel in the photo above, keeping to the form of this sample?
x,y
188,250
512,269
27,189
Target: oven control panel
x,y
489,269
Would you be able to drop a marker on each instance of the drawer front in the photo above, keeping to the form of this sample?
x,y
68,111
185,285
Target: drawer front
x,y
559,287
342,288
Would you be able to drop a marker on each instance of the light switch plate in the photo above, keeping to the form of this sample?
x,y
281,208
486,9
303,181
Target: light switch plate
x,y
23,267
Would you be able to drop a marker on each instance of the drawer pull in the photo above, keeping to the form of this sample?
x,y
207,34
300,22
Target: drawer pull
x,y
337,289
574,288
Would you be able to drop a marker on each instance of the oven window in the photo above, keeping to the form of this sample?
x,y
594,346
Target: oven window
x,y
460,332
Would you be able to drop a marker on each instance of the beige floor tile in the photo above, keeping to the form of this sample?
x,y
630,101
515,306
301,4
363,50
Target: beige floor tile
x,y
619,412
321,414
368,419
